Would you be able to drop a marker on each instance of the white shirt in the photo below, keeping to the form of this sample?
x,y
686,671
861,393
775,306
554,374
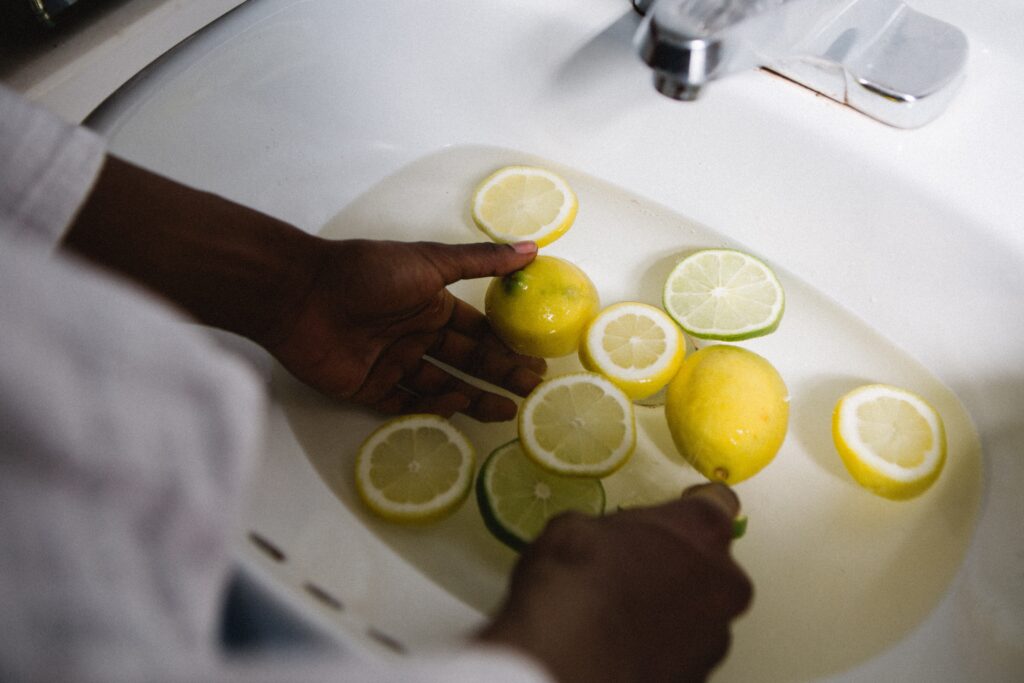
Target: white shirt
x,y
125,440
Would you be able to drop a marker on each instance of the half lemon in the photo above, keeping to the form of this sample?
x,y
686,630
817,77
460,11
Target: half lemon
x,y
519,203
415,468
891,440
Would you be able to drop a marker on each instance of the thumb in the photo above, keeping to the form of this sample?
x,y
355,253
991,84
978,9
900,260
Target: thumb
x,y
482,259
703,512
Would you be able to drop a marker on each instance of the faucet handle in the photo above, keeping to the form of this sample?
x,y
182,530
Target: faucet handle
x,y
880,57
902,68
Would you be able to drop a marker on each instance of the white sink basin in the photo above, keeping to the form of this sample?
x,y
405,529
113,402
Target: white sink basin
x,y
906,245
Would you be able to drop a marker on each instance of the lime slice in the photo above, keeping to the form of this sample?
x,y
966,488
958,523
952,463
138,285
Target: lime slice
x,y
517,498
416,468
724,294
519,203
636,346
891,440
578,425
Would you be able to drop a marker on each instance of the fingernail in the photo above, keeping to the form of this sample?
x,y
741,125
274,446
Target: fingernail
x,y
525,247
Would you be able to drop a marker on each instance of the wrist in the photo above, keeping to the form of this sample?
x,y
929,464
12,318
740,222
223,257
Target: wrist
x,y
223,264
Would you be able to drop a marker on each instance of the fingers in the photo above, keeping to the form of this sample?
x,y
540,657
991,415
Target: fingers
x,y
398,401
471,323
703,514
489,360
483,259
717,494
430,380
403,381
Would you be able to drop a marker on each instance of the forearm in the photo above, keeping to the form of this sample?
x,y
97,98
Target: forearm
x,y
224,264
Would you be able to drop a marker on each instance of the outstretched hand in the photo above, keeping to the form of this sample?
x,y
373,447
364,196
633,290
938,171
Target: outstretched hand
x,y
646,594
353,318
378,318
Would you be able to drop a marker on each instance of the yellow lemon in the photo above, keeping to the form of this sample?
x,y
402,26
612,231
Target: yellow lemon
x,y
636,346
891,440
542,309
728,412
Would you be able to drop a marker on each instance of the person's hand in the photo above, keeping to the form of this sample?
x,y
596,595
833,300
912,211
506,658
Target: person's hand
x,y
376,314
353,318
645,594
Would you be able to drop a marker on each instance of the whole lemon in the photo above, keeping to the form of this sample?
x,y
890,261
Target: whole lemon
x,y
728,411
541,310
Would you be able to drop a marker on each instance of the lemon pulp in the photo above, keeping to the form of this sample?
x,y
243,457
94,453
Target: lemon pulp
x,y
414,468
636,346
891,440
524,203
579,424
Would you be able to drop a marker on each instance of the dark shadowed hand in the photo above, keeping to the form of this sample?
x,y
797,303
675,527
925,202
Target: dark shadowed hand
x,y
644,595
379,318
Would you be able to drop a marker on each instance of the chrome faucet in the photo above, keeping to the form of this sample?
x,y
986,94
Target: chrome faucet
x,y
880,57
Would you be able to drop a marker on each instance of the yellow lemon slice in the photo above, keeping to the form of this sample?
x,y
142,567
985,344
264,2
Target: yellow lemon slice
x,y
519,203
579,424
517,498
891,440
636,346
724,294
416,468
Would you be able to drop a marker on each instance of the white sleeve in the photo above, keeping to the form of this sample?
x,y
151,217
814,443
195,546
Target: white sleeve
x,y
47,167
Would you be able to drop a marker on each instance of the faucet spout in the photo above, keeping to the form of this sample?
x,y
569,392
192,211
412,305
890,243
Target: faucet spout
x,y
878,56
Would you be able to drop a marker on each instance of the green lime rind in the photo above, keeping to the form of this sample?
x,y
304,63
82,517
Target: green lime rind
x,y
739,526
517,498
701,333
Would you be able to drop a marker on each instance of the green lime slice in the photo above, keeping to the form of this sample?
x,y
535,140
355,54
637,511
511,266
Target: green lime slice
x,y
517,498
724,294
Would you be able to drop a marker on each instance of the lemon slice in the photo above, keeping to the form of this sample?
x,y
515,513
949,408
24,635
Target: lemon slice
x,y
891,440
579,424
636,346
416,468
519,203
724,294
517,498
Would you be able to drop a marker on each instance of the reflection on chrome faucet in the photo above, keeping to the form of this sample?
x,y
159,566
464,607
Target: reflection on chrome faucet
x,y
879,56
